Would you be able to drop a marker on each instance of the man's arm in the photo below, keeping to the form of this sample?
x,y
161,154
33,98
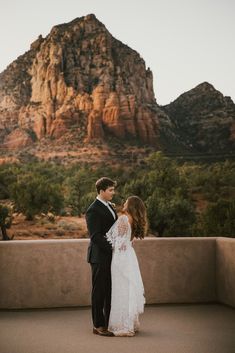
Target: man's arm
x,y
94,229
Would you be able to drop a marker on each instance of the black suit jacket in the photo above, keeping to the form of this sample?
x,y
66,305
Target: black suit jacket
x,y
99,220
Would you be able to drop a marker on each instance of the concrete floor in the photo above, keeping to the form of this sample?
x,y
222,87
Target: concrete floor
x,y
165,328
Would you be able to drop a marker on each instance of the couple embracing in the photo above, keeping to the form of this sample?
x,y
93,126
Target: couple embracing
x,y
117,287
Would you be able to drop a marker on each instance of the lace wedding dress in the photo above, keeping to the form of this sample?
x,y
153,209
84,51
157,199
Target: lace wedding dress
x,y
127,300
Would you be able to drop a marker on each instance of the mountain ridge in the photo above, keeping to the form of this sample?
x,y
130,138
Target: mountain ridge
x,y
80,84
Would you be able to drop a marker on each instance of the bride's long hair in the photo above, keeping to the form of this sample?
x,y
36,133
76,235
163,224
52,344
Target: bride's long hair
x,y
136,208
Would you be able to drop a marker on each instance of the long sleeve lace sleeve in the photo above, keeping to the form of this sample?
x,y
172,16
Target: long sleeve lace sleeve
x,y
118,235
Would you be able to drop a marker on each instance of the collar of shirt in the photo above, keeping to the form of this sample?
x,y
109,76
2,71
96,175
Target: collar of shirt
x,y
104,202
107,204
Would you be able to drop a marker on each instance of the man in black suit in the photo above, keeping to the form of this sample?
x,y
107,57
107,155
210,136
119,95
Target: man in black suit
x,y
100,217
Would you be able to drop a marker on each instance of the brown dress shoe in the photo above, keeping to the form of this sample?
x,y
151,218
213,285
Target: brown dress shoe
x,y
102,332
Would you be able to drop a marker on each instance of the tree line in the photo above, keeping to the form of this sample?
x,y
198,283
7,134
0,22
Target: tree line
x,y
166,186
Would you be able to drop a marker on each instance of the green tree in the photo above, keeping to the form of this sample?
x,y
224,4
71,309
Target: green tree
x,y
170,216
219,219
162,173
33,194
5,221
7,177
164,189
78,190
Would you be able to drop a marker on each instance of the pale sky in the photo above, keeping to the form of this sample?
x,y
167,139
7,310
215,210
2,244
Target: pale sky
x,y
184,42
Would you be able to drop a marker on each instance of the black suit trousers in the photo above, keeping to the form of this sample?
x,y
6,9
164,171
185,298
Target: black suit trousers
x,y
101,293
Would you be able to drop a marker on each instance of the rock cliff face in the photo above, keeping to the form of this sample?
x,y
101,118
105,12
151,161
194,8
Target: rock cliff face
x,y
204,119
80,84
81,80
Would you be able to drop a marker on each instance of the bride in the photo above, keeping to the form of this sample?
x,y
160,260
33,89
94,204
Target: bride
x,y
127,300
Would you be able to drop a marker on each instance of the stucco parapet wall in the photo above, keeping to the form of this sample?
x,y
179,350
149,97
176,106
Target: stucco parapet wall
x,y
225,270
54,273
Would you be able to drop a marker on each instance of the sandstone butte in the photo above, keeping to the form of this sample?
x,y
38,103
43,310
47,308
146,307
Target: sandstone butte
x,y
81,82
78,79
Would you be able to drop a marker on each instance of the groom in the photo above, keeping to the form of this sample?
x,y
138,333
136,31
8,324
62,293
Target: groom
x,y
100,217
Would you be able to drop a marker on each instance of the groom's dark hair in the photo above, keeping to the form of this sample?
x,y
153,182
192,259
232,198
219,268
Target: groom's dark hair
x,y
104,183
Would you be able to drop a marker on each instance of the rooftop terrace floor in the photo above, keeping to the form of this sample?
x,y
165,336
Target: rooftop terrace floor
x,y
165,328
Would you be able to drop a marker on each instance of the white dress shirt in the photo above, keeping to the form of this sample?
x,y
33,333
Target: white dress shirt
x,y
107,205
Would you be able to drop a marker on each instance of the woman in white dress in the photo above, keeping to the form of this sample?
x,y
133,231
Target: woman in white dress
x,y
127,300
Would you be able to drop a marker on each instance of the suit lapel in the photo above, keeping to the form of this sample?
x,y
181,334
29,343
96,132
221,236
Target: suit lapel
x,y
113,211
105,208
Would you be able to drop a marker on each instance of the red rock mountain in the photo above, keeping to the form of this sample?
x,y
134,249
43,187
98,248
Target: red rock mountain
x,y
79,80
204,119
79,84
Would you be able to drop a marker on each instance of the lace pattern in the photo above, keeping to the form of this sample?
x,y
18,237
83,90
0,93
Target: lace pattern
x,y
128,299
119,234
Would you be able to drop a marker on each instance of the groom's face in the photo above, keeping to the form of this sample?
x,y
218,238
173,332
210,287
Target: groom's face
x,y
108,194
